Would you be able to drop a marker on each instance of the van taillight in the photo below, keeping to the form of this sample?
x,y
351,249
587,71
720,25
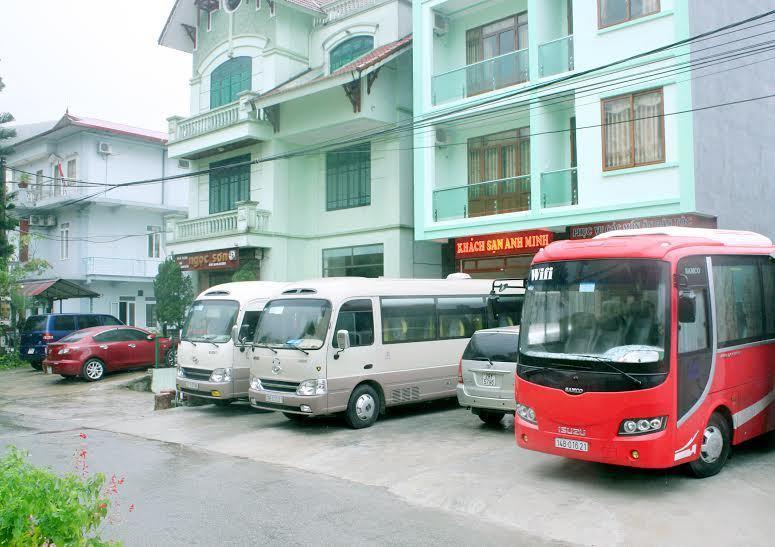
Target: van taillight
x,y
460,372
48,337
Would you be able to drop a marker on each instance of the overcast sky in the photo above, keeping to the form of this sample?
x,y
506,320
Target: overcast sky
x,y
100,58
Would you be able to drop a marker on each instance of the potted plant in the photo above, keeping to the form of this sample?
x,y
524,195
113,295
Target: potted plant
x,y
24,181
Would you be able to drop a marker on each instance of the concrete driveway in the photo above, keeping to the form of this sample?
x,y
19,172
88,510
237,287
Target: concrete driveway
x,y
437,457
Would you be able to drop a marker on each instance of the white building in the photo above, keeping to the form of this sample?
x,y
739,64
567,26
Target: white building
x,y
109,241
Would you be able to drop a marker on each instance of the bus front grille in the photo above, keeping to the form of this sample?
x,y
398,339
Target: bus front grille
x,y
277,385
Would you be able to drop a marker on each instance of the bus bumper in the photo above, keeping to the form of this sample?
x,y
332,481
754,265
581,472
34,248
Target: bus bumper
x,y
309,405
212,390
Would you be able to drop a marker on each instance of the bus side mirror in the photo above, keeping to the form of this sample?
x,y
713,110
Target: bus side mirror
x,y
342,340
492,304
687,307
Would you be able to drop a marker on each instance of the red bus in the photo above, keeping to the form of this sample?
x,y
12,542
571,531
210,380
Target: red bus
x,y
648,348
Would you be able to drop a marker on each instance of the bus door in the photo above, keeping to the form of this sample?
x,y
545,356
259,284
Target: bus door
x,y
243,357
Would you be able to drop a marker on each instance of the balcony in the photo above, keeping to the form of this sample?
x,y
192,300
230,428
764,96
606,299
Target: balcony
x,y
482,77
121,267
247,218
555,57
230,126
495,197
49,195
559,188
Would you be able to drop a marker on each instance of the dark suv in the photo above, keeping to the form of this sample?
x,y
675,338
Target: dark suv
x,y
40,330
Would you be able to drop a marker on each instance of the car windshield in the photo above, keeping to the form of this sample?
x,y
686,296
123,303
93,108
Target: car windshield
x,y
604,310
298,322
74,337
210,321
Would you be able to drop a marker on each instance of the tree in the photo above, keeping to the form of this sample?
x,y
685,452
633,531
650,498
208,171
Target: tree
x,y
7,221
5,132
174,293
248,271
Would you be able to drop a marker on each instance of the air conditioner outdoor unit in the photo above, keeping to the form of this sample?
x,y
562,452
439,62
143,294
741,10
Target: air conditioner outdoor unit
x,y
37,220
440,24
51,220
184,164
442,137
105,148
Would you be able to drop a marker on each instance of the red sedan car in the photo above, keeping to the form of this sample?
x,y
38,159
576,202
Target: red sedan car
x,y
90,353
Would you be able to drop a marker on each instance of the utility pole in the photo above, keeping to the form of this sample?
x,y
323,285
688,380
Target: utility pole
x,y
3,234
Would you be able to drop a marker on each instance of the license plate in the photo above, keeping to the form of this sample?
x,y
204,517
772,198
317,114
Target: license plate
x,y
274,398
571,444
487,379
49,370
31,351
191,385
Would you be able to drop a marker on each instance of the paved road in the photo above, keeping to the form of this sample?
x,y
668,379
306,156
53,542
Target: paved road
x,y
462,481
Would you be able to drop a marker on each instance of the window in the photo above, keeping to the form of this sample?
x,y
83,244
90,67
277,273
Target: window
x,y
739,307
150,314
349,50
272,10
109,320
72,173
108,336
63,322
88,321
64,241
492,346
131,334
633,130
154,241
230,79
348,177
408,320
363,261
57,190
694,336
258,5
38,190
613,12
230,185
768,287
357,318
231,5
460,317
126,310
249,323
495,40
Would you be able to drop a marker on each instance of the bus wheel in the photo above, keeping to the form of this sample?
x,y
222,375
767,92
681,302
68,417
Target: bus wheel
x,y
363,408
715,448
491,418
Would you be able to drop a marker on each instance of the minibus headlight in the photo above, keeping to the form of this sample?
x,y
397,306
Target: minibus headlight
x,y
312,387
526,413
642,426
255,384
221,375
180,372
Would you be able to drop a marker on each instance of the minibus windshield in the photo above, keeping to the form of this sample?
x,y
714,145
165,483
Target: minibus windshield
x,y
596,311
300,323
210,321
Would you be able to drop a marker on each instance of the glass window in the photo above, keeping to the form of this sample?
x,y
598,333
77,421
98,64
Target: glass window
x,y
229,185
492,346
107,336
74,337
509,311
460,317
210,321
297,322
150,314
154,241
231,5
613,12
633,130
363,261
131,334
249,323
348,177
768,287
694,336
230,79
357,318
64,241
350,50
88,321
63,322
109,320
739,308
35,323
126,311
408,320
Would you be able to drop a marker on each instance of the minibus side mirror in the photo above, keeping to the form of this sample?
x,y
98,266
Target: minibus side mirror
x,y
492,304
235,335
687,307
343,339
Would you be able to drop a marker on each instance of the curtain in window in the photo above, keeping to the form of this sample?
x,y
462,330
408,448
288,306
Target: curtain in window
x,y
618,145
639,8
474,51
613,11
649,139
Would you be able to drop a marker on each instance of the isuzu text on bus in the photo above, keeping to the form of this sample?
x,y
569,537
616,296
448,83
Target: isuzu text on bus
x,y
648,348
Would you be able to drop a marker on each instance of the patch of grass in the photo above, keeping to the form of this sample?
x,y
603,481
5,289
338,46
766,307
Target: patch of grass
x,y
11,360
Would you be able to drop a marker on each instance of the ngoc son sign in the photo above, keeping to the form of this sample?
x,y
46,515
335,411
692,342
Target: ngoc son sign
x,y
512,244
213,260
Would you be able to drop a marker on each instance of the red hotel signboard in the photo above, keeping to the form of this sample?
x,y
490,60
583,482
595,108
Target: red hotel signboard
x,y
588,231
227,259
511,244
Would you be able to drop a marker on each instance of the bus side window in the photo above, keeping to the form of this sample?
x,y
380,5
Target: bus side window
x,y
249,323
357,318
694,336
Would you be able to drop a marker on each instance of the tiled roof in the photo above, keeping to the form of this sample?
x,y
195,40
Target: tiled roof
x,y
112,127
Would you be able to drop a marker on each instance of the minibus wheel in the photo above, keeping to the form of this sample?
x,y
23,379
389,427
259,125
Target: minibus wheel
x,y
491,418
716,444
363,408
93,370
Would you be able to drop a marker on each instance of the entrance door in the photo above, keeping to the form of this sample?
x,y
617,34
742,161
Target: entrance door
x,y
126,312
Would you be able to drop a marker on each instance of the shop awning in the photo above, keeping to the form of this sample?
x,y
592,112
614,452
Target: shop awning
x,y
56,289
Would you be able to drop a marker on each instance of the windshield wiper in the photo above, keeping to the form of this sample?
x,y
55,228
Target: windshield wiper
x,y
265,346
611,366
291,346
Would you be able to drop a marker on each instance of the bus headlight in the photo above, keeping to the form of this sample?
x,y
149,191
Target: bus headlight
x,y
221,375
526,413
255,384
642,426
312,387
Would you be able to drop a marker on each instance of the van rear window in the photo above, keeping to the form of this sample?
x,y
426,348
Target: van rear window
x,y
493,346
63,322
35,323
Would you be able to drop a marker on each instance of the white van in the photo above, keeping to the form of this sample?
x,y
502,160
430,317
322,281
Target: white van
x,y
209,364
358,345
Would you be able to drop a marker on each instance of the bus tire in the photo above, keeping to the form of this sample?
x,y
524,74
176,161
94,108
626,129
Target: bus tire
x,y
490,417
715,448
363,407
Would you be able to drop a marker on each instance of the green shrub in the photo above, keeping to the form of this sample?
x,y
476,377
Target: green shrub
x,y
11,360
38,507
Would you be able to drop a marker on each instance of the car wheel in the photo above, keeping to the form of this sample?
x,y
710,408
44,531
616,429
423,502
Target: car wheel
x,y
714,449
93,370
37,365
295,417
363,408
491,418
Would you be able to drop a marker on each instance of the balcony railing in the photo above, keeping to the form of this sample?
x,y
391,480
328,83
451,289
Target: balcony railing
x,y
345,8
49,192
559,188
247,218
488,75
494,197
122,267
200,124
556,57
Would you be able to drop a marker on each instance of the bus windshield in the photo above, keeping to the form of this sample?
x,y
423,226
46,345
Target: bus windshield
x,y
210,321
300,323
596,310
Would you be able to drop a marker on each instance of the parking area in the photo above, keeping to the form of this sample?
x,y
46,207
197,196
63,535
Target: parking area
x,y
434,456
